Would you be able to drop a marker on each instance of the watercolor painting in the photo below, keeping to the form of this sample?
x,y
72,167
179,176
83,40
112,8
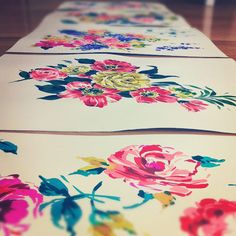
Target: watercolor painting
x,y
8,147
19,202
140,19
209,217
158,172
99,83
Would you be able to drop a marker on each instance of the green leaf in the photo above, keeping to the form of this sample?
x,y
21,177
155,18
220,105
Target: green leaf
x,y
161,76
51,88
95,171
52,187
227,102
8,147
97,187
208,162
67,21
86,61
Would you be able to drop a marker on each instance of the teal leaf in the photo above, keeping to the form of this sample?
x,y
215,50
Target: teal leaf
x,y
72,79
51,97
50,88
53,187
86,61
8,147
66,21
95,171
68,212
152,71
208,162
25,75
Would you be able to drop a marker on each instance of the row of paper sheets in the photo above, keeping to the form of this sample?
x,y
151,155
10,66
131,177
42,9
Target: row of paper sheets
x,y
195,183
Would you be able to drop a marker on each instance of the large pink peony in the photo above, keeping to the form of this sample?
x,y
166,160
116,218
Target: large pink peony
x,y
91,95
18,200
153,95
156,169
113,65
209,217
47,74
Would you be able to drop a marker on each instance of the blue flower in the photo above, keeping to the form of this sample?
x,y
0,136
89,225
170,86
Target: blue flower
x,y
73,32
92,46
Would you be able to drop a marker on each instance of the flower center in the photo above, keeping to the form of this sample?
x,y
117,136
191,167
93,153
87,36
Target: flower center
x,y
92,91
149,94
155,165
111,67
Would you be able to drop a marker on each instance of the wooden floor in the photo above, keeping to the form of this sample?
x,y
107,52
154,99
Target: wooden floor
x,y
19,17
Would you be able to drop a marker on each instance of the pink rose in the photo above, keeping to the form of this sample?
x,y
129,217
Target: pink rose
x,y
91,95
47,74
113,65
18,200
156,169
153,95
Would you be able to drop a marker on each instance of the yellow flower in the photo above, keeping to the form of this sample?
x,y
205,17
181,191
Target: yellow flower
x,y
122,81
75,70
165,199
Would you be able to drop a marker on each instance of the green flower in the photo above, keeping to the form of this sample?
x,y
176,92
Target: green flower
x,y
75,70
182,92
122,81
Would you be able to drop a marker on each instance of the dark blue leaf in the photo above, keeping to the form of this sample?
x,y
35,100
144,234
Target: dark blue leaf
x,y
95,171
72,32
50,98
57,82
97,187
73,79
86,61
24,75
161,76
52,187
51,88
125,94
166,84
66,211
152,71
8,147
91,72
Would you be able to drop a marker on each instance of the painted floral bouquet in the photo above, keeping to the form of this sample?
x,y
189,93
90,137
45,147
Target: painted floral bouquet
x,y
98,83
96,40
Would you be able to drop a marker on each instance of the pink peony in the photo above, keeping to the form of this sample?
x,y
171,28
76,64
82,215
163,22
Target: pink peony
x,y
18,200
113,65
144,20
91,95
156,169
194,105
209,217
47,74
153,95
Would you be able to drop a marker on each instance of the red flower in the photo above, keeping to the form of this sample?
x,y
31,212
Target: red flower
x,y
193,105
209,216
113,65
47,74
152,95
91,95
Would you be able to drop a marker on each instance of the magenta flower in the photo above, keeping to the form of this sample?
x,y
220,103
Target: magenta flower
x,y
47,74
18,200
113,65
153,95
208,217
90,95
156,169
194,105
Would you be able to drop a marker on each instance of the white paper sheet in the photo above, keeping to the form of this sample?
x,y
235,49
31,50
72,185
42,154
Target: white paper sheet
x,y
147,182
109,93
101,17
92,39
